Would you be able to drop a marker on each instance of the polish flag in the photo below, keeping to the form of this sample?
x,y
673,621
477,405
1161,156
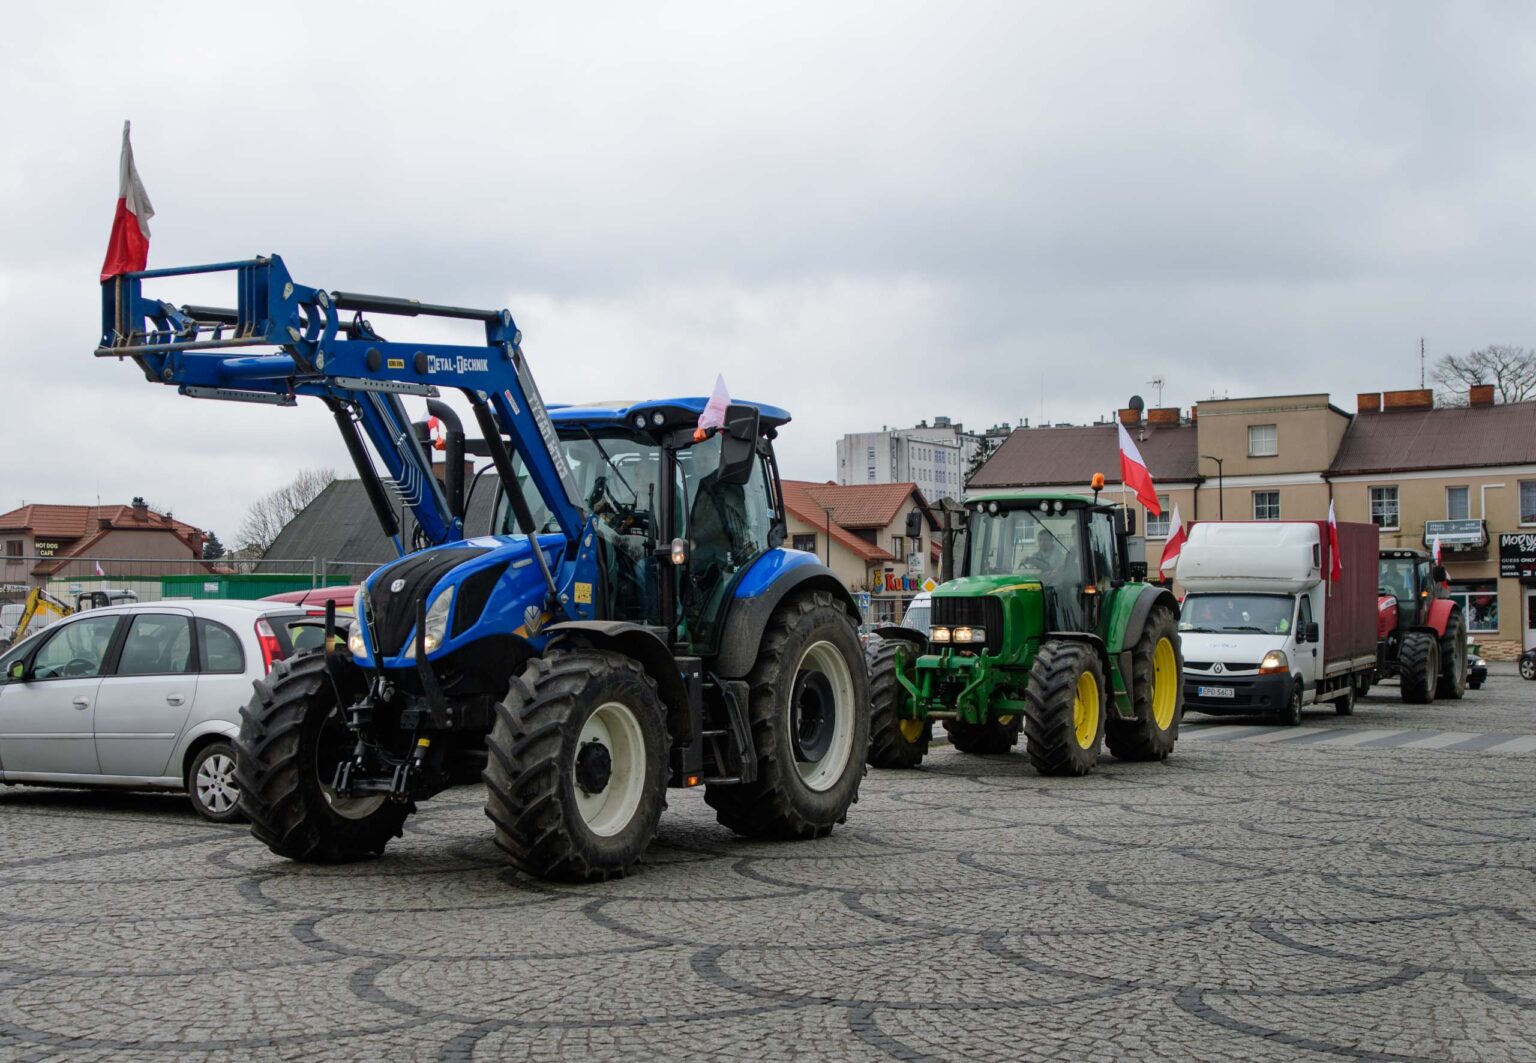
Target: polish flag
x,y
1134,473
1175,543
1336,570
714,410
99,570
1438,562
128,246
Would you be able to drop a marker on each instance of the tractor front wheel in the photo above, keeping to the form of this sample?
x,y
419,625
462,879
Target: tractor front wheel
x,y
1453,659
995,736
895,741
1157,693
1064,724
576,775
809,711
292,737
1418,667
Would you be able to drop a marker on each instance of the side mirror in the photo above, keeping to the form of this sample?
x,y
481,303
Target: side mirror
x,y
1312,632
1127,521
738,445
18,670
1438,574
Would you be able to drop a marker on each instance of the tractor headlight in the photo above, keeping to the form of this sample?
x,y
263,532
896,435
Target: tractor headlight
x,y
355,644
969,634
939,634
1274,661
435,624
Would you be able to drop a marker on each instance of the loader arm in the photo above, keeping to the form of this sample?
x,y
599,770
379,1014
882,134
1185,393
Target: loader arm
x,y
306,349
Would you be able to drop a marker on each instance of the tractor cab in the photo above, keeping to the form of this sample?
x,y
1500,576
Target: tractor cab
x,y
1411,577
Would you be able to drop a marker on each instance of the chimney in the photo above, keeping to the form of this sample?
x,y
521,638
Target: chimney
x,y
1480,395
1368,402
140,509
1163,415
1412,399
1194,413
1129,417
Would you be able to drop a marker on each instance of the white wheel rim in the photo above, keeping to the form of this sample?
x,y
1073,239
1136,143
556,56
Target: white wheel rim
x,y
609,810
215,783
826,658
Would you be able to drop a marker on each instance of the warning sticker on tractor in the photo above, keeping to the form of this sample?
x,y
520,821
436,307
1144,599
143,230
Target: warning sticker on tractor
x,y
396,363
583,593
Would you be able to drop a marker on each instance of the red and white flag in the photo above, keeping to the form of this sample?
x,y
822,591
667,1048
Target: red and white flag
x,y
128,246
1135,475
99,570
1336,569
714,410
1438,562
1175,543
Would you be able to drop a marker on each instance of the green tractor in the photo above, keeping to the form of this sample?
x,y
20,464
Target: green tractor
x,y
1049,628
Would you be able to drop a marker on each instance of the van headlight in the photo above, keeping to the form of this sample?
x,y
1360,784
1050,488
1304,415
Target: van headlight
x,y
1274,661
435,628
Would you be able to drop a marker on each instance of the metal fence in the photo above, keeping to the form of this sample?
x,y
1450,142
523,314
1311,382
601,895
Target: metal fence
x,y
162,579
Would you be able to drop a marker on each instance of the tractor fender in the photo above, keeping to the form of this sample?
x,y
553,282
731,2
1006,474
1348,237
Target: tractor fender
x,y
1086,637
892,633
771,579
1440,611
1149,598
636,641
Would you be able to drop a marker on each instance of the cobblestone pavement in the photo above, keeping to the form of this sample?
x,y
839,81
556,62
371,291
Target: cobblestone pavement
x,y
1246,900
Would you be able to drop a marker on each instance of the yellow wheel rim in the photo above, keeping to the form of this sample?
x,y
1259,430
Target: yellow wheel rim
x,y
911,730
1165,684
1085,710
1006,721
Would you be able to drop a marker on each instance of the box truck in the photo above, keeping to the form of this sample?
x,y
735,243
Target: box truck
x,y
1265,630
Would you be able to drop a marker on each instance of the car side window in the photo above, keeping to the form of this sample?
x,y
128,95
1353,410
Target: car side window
x,y
220,646
157,644
76,650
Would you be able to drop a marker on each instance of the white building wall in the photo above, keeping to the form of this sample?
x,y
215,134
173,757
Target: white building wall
x,y
936,465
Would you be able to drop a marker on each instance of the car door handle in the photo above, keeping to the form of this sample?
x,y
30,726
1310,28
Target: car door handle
x,y
82,703
173,699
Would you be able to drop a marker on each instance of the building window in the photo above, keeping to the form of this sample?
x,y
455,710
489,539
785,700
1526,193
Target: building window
x,y
1456,503
1479,601
898,547
1263,442
1266,505
1528,501
805,542
1384,507
871,474
1157,527
13,548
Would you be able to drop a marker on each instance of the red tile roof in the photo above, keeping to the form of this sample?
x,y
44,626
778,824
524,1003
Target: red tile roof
x,y
799,500
857,506
1465,437
77,522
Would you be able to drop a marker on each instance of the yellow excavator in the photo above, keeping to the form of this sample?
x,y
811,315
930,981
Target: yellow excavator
x,y
55,608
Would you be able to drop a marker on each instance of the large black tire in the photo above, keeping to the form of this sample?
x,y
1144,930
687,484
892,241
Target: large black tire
x,y
1453,658
1289,714
1418,667
1058,699
894,741
995,736
1157,692
567,808
808,665
291,739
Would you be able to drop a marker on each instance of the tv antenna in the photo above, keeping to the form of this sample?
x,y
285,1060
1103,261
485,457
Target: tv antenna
x,y
1158,383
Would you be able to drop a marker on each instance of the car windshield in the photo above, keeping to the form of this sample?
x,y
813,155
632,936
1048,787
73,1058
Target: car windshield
x,y
1395,577
1025,542
1237,614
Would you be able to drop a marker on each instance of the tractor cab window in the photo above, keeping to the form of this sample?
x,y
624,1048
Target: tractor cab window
x,y
727,528
1101,536
1033,544
1395,577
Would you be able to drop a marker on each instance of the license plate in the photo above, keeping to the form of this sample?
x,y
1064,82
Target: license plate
x,y
1215,692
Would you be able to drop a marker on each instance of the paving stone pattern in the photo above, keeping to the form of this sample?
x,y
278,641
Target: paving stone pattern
x,y
1246,900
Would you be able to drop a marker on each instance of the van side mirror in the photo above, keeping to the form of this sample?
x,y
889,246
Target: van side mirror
x,y
1311,632
738,445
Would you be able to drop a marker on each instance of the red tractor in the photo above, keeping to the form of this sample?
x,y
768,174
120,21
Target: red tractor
x,y
1422,636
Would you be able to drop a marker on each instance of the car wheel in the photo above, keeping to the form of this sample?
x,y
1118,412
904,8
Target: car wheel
x,y
1528,668
211,783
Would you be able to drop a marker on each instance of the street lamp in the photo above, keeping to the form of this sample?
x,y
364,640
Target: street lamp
x,y
1221,496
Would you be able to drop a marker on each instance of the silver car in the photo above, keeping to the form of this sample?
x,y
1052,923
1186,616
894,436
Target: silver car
x,y
142,697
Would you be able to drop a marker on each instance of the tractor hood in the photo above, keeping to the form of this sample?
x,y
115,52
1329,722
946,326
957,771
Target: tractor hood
x,y
1008,607
976,586
494,578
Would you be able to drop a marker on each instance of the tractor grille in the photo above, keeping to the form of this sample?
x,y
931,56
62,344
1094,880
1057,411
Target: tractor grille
x,y
393,613
986,612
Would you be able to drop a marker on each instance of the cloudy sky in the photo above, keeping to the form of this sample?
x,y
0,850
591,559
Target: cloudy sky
x,y
868,213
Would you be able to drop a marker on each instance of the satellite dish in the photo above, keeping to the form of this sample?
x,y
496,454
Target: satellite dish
x,y
1136,404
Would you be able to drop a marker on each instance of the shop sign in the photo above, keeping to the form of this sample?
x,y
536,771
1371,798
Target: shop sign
x,y
1456,533
45,547
1517,555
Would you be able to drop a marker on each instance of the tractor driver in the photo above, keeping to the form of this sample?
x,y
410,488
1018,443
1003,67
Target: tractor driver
x,y
1052,561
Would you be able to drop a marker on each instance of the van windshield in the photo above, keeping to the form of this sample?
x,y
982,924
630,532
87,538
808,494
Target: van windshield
x,y
1237,614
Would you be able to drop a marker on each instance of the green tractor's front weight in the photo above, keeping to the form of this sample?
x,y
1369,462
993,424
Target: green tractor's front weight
x,y
1049,631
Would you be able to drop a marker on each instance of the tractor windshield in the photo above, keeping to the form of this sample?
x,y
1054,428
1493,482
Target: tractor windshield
x,y
1026,542
1395,577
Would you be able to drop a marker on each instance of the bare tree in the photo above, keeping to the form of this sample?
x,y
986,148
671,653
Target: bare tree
x,y
1511,371
270,513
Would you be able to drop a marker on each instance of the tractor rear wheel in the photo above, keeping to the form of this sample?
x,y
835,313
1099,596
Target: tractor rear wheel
x,y
576,776
809,710
292,737
1064,724
1418,667
1453,658
1157,693
894,741
995,736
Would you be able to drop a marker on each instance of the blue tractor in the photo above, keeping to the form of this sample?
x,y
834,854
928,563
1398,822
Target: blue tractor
x,y
633,622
